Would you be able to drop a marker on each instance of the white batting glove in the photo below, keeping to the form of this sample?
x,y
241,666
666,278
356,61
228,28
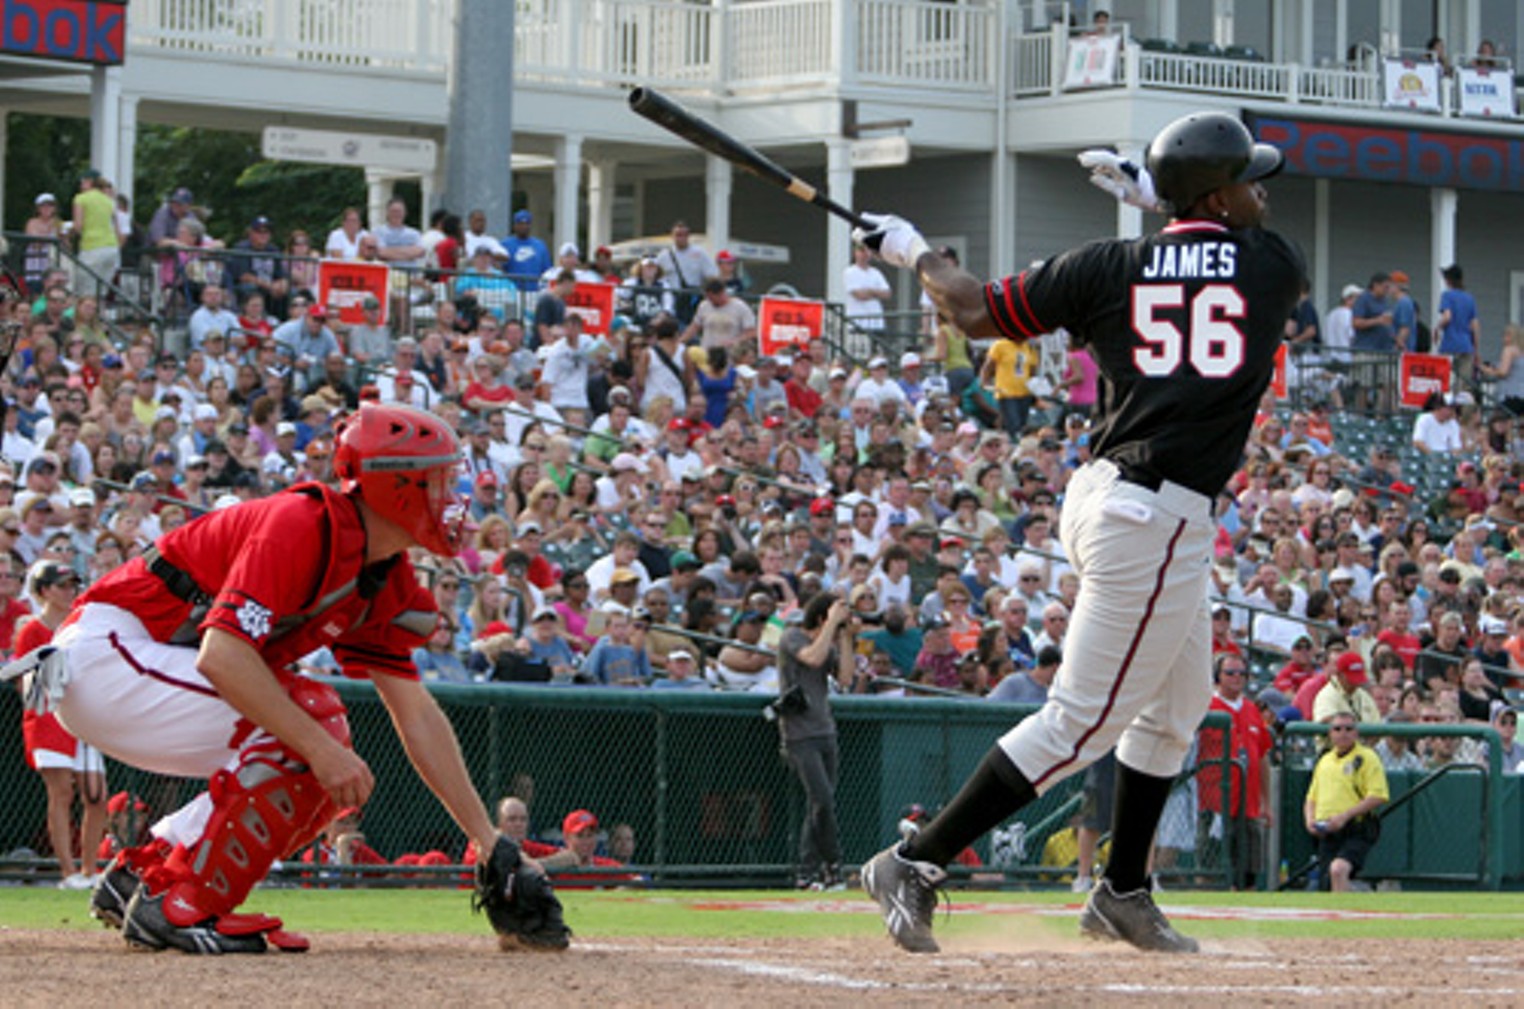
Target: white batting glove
x,y
895,239
1125,180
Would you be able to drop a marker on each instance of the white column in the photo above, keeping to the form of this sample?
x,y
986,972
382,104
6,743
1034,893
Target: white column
x,y
601,177
428,197
378,189
127,146
1443,204
1129,218
717,186
568,188
839,180
1322,242
105,111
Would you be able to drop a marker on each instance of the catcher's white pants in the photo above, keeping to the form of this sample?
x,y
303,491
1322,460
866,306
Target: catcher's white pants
x,y
1136,671
144,703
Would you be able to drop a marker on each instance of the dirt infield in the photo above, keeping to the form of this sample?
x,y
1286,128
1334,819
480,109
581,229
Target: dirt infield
x,y
52,968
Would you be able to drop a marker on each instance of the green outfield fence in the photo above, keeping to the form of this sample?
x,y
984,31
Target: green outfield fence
x,y
699,778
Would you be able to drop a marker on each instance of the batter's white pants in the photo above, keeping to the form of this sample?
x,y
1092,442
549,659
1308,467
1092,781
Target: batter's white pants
x,y
1136,670
144,703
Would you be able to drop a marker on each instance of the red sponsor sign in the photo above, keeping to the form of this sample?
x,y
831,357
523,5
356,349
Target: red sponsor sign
x,y
1278,379
343,286
595,304
1422,375
83,31
786,323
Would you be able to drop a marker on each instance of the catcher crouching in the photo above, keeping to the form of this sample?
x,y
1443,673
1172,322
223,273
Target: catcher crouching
x,y
178,663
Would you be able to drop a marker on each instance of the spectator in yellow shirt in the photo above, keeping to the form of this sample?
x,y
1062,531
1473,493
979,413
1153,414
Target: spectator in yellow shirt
x,y
1348,786
1009,367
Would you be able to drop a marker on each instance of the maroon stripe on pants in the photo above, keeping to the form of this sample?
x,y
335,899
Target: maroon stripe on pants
x,y
155,674
1132,651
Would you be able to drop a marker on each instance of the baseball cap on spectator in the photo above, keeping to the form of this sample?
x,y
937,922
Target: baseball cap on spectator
x,y
318,311
577,821
1448,572
370,301
522,217
1272,699
261,221
569,249
679,653
285,428
822,506
1489,624
1407,569
34,503
494,628
1350,291
45,198
725,256
838,373
1341,574
205,411
1399,277
525,380
622,575
922,529
46,574
486,478
910,359
543,613
684,560
935,623
82,497
627,462
1343,498
951,543
214,446
529,528
164,457
1352,667
181,195
195,461
878,362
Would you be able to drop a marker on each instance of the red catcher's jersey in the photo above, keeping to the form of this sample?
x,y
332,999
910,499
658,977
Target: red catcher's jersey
x,y
284,574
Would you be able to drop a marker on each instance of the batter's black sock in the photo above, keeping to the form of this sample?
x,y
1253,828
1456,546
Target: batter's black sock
x,y
993,792
1140,800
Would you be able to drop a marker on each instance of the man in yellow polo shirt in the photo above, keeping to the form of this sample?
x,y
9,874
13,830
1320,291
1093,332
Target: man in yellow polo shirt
x,y
1348,786
99,251
1011,365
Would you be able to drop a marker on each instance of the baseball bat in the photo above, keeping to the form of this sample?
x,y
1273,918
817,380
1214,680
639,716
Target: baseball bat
x,y
670,116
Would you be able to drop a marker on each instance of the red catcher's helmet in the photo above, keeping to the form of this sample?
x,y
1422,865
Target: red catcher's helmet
x,y
404,462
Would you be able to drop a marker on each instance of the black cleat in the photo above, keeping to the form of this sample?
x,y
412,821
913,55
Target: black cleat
x,y
906,892
146,927
113,891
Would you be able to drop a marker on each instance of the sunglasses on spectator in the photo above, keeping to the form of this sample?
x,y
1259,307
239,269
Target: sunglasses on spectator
x,y
1351,728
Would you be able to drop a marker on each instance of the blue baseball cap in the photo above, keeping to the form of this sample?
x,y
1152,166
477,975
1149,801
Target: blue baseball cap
x,y
522,217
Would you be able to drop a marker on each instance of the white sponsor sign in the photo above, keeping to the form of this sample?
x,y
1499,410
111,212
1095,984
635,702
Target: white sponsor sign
x,y
358,150
1410,85
1092,61
879,152
1485,93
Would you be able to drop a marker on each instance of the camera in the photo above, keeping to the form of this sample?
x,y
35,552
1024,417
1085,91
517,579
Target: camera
x,y
1322,826
791,702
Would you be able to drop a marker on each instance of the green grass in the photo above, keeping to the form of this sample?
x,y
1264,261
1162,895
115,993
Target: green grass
x,y
614,914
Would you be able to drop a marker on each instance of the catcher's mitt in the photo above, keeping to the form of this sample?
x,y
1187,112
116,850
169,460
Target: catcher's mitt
x,y
519,902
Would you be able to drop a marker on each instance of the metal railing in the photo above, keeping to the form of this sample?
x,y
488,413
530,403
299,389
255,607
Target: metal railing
x,y
410,35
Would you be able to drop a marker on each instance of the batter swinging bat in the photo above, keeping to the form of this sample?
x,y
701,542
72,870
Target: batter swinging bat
x,y
669,115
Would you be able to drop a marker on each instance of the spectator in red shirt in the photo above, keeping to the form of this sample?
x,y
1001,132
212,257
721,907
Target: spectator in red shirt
x,y
1242,831
341,843
11,608
1396,634
802,399
1301,667
1222,633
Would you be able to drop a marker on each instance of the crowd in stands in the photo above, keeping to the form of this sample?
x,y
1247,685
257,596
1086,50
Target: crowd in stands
x,y
654,504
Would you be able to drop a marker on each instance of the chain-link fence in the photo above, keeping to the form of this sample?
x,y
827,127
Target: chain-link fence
x,y
697,777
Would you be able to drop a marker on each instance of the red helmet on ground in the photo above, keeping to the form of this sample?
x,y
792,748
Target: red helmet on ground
x,y
405,463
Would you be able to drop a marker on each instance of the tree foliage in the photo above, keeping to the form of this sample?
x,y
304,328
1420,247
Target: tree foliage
x,y
44,154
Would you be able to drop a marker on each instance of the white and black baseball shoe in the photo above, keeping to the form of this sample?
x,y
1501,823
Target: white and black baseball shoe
x,y
146,927
113,891
1131,918
906,891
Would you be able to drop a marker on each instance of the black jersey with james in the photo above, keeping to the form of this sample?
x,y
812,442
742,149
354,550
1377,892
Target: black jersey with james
x,y
1183,326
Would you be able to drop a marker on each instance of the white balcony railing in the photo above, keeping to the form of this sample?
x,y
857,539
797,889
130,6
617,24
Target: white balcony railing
x,y
780,42
937,45
407,35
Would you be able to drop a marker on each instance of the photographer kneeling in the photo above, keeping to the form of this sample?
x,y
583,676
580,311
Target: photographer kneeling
x,y
1348,786
807,657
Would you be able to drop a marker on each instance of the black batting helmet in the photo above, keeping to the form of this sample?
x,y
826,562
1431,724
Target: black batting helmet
x,y
1199,153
